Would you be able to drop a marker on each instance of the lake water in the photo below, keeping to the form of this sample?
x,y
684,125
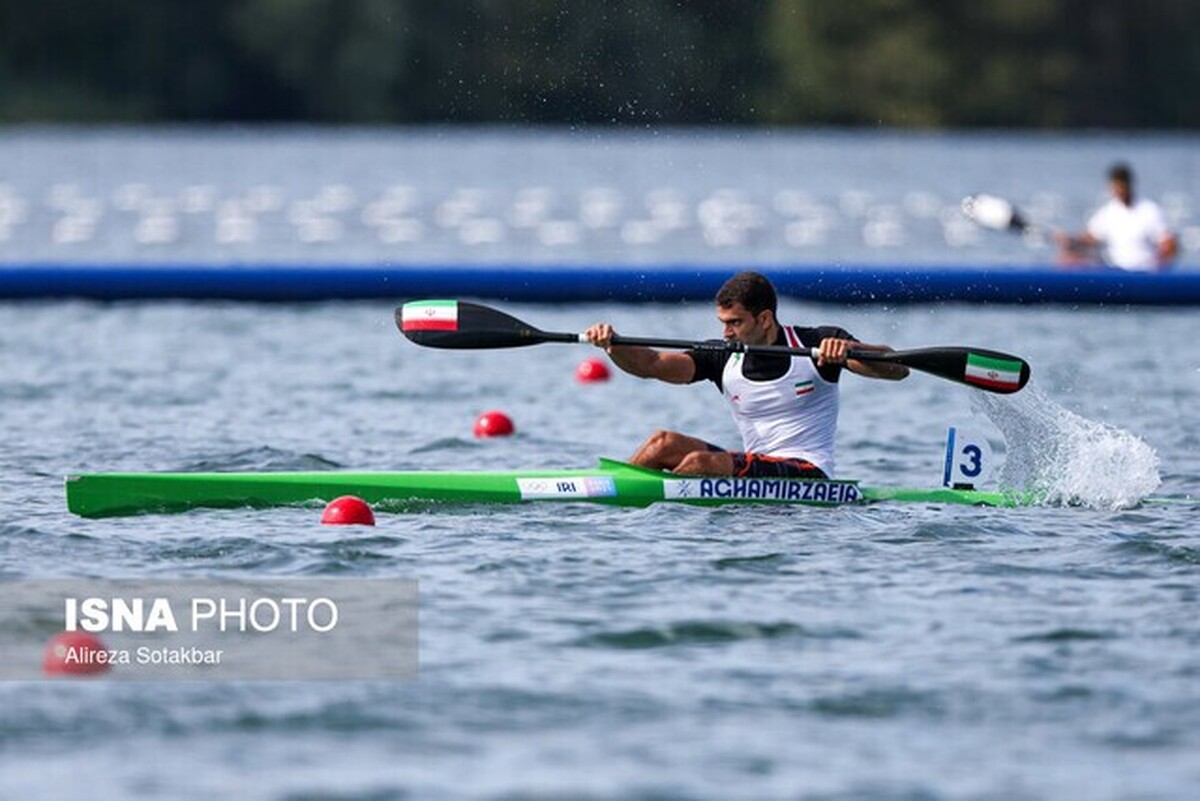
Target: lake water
x,y
887,652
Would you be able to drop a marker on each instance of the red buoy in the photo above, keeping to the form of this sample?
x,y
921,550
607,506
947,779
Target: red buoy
x,y
348,511
591,370
494,424
75,653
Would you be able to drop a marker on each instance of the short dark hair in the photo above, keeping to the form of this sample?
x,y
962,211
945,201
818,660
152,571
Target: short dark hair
x,y
1121,172
750,289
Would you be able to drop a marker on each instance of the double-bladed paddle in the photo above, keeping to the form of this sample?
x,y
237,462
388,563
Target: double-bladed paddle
x,y
459,325
998,214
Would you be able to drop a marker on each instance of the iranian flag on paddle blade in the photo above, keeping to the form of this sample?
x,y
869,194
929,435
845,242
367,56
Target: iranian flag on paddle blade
x,y
985,371
430,315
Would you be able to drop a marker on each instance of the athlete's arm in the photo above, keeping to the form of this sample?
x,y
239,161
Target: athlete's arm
x,y
674,368
1076,244
1168,249
1085,246
832,350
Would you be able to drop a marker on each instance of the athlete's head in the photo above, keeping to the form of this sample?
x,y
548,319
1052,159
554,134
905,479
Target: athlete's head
x,y
746,306
750,289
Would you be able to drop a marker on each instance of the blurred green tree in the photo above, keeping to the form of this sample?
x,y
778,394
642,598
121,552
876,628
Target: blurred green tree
x,y
910,63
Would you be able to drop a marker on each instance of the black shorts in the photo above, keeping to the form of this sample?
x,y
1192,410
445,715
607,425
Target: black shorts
x,y
755,465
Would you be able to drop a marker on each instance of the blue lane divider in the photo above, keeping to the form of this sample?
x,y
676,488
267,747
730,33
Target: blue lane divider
x,y
551,283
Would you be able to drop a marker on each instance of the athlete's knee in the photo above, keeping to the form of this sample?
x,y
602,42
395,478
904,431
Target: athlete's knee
x,y
704,463
661,440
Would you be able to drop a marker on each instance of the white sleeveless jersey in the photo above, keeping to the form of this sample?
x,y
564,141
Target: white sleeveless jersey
x,y
794,415
1131,233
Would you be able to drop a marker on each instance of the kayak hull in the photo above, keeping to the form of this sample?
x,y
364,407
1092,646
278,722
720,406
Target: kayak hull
x,y
613,483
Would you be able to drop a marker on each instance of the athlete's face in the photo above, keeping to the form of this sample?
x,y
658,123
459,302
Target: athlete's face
x,y
1121,190
742,326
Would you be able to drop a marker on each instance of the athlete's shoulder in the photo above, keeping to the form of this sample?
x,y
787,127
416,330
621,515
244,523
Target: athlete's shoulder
x,y
810,337
710,362
1149,210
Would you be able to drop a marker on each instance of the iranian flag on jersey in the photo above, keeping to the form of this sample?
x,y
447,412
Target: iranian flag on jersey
x,y
995,373
430,315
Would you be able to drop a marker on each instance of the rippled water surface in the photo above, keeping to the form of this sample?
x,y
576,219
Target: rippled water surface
x,y
891,651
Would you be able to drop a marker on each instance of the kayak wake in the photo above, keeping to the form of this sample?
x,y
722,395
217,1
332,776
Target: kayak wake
x,y
1066,458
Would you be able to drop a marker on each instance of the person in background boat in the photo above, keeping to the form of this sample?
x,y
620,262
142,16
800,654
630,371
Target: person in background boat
x,y
1134,233
785,407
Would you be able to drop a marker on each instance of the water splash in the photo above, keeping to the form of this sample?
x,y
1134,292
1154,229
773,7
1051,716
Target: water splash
x,y
1065,457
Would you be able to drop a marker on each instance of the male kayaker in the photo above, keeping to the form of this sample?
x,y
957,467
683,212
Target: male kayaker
x,y
786,407
1134,233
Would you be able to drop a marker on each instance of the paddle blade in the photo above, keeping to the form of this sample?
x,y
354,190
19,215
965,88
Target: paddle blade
x,y
992,212
460,325
988,370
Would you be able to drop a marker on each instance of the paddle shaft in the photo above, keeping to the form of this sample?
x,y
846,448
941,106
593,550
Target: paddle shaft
x,y
727,346
724,346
